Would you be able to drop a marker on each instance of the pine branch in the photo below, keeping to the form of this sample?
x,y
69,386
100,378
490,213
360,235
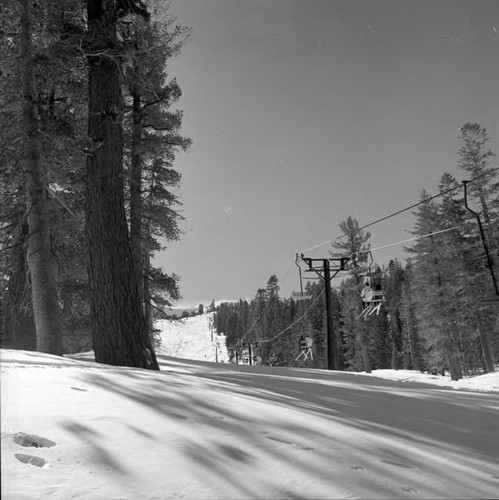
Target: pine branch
x,y
152,103
125,7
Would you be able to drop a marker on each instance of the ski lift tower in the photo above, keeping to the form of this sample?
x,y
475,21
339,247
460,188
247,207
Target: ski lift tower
x,y
327,269
493,301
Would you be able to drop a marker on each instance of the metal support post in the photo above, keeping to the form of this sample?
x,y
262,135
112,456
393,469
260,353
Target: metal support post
x,y
482,234
340,262
331,354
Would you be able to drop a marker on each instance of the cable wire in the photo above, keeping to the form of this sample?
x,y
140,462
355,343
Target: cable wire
x,y
441,193
273,294
410,239
294,323
255,322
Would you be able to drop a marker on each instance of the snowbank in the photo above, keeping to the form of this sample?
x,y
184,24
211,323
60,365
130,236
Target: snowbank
x,y
484,383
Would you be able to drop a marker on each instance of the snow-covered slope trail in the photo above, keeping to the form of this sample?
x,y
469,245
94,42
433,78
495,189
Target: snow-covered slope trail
x,y
73,429
192,338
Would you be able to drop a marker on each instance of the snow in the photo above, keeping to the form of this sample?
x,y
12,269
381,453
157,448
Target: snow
x,y
74,429
484,383
192,338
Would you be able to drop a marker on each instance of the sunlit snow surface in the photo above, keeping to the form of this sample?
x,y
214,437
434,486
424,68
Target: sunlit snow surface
x,y
73,429
192,338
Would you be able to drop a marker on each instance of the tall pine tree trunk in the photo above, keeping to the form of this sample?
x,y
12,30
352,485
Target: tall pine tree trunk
x,y
146,265
136,192
147,294
119,330
451,354
408,329
19,323
44,292
365,355
485,344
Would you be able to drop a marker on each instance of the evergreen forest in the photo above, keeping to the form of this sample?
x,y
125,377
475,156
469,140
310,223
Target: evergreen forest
x,y
90,133
439,311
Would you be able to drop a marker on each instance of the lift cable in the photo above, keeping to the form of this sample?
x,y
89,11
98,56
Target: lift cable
x,y
269,300
441,193
255,322
294,323
410,239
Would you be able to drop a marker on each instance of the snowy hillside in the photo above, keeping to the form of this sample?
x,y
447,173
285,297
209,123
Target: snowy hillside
x,y
192,338
74,429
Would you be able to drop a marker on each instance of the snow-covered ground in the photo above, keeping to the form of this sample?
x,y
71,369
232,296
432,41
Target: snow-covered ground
x,y
192,338
74,429
483,383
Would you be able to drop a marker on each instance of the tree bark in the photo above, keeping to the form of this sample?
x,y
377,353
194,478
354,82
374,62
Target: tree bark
x,y
44,291
119,330
451,354
136,191
147,295
365,356
485,345
19,324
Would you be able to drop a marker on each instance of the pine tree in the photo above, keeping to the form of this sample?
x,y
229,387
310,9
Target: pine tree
x,y
392,290
353,331
119,330
284,346
463,245
60,47
432,289
18,329
354,243
410,330
272,315
59,75
152,140
402,327
44,292
474,158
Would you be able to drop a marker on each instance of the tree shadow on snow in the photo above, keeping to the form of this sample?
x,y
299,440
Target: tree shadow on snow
x,y
396,439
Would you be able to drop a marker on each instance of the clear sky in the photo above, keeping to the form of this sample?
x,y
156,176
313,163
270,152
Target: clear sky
x,y
303,112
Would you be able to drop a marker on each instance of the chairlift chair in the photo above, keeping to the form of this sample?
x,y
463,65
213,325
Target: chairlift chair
x,y
373,299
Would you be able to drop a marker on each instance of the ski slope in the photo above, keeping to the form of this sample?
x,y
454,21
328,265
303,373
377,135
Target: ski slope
x,y
192,338
74,429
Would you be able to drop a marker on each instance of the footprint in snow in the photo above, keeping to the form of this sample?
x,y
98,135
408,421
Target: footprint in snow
x,y
31,460
32,441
